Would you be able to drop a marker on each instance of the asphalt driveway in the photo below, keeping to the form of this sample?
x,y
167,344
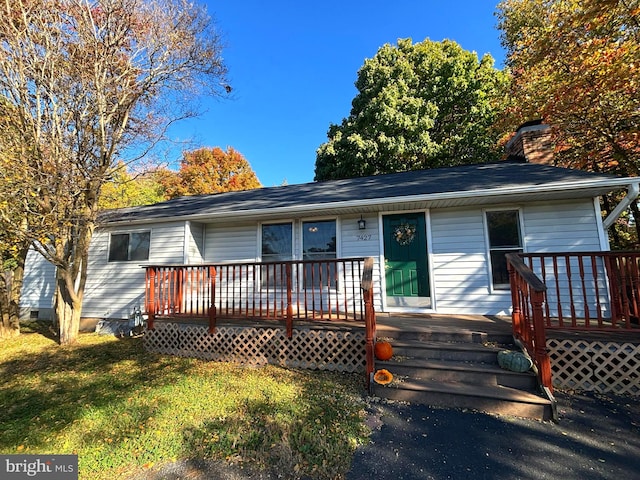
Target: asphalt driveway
x,y
598,437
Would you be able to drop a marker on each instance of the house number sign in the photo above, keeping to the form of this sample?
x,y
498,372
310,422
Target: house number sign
x,y
363,237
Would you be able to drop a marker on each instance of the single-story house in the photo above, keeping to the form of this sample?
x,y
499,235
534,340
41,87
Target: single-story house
x,y
438,237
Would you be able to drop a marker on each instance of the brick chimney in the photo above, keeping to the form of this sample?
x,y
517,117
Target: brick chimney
x,y
531,143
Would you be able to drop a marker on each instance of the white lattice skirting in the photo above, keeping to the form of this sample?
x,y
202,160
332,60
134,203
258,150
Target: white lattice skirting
x,y
335,350
605,367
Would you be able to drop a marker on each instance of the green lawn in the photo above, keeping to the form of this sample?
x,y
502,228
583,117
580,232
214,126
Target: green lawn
x,y
123,410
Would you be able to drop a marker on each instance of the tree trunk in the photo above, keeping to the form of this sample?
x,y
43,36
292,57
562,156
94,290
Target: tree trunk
x,y
70,284
10,326
67,311
10,288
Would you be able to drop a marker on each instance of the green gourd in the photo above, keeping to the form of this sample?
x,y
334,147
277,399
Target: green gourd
x,y
514,361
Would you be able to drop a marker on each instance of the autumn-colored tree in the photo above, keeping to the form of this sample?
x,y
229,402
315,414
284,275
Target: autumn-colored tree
x,y
14,221
576,64
125,189
21,220
90,82
423,105
209,170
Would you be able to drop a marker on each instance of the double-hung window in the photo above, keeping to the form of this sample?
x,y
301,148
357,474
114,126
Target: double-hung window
x,y
503,229
319,243
277,245
129,247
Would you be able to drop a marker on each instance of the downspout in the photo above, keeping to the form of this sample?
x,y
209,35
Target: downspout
x,y
632,193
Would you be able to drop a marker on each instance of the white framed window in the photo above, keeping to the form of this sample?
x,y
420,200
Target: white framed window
x,y
505,236
129,247
276,246
319,242
277,242
319,239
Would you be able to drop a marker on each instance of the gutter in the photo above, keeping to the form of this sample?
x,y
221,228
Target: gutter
x,y
632,193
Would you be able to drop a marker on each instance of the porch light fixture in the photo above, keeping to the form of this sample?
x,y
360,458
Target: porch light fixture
x,y
362,223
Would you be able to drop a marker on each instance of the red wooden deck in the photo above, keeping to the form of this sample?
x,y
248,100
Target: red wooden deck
x,y
580,292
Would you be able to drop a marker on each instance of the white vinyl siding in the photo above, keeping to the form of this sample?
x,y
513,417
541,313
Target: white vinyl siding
x,y
457,248
114,289
566,227
362,243
194,233
237,242
570,227
359,243
460,269
460,264
38,286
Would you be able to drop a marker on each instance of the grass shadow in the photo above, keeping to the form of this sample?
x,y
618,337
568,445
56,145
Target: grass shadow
x,y
45,392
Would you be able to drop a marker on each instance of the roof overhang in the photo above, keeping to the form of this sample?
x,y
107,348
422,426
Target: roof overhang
x,y
481,197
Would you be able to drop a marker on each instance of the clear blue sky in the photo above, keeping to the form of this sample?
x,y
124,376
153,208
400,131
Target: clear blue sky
x,y
293,64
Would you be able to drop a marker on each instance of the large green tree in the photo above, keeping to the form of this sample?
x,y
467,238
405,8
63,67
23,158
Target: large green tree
x,y
91,82
576,64
423,105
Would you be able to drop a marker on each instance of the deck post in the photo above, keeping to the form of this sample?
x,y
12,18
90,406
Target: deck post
x,y
212,300
151,303
289,301
179,290
516,319
369,318
540,338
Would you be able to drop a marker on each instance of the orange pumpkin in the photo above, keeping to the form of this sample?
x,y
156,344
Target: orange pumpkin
x,y
383,377
383,350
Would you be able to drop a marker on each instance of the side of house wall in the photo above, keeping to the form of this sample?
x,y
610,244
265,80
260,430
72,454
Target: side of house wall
x,y
363,243
459,263
574,234
231,242
239,242
459,250
114,289
38,287
194,238
458,255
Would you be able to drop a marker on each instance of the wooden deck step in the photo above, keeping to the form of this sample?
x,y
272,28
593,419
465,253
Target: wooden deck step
x,y
454,351
495,399
459,369
464,372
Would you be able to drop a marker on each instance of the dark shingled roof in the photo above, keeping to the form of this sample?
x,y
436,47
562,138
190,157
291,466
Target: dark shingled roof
x,y
462,179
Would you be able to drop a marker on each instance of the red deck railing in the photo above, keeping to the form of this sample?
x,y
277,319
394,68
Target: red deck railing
x,y
584,291
527,317
589,291
370,317
327,290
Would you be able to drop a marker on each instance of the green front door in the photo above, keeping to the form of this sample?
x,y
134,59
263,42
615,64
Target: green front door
x,y
405,253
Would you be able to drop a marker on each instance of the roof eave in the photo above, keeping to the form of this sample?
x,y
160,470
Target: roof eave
x,y
595,186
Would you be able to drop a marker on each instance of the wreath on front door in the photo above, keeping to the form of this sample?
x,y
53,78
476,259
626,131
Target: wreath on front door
x,y
405,233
